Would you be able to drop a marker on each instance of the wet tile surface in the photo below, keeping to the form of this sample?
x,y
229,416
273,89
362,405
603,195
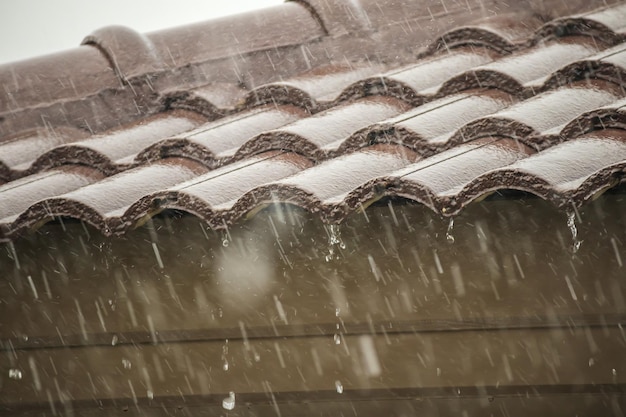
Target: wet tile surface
x,y
488,106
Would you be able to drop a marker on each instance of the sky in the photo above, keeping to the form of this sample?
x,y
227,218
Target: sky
x,y
36,27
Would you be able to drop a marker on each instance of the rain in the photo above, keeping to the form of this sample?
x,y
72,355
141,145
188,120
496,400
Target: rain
x,y
420,290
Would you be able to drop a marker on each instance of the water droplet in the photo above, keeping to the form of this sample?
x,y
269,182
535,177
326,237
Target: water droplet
x,y
614,372
337,312
449,236
337,339
229,402
571,223
126,363
225,366
225,242
150,394
591,362
15,374
339,387
114,340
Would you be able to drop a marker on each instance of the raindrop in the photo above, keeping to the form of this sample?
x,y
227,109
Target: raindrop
x,y
591,362
317,362
616,252
32,287
226,238
229,402
339,387
114,340
280,309
437,262
337,339
225,366
35,373
150,394
15,374
457,277
571,288
369,355
126,363
157,255
449,236
614,372
571,223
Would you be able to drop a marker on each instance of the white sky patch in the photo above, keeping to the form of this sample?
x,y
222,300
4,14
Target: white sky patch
x,y
38,27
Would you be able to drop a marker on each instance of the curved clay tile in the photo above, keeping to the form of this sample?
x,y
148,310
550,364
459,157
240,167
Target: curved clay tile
x,y
434,126
609,65
503,33
100,202
415,84
568,173
18,151
606,25
434,180
512,73
220,195
539,120
20,194
216,143
334,188
313,90
110,152
212,100
322,134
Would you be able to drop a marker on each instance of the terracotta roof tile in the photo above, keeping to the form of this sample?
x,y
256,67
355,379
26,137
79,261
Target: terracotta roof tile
x,y
220,120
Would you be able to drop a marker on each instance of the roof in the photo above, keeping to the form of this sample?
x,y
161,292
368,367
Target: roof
x,y
318,111
428,287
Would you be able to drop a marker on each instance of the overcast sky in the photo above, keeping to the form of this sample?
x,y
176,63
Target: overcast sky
x,y
35,27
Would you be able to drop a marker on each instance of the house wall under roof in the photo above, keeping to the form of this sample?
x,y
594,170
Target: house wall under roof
x,y
393,310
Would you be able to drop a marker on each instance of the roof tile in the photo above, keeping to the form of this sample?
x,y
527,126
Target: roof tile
x,y
495,104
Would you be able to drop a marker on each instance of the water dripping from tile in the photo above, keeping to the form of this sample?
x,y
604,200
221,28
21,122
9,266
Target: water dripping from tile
x,y
225,239
571,224
449,235
335,243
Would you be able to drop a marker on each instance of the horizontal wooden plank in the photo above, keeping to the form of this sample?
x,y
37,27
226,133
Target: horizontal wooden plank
x,y
430,364
63,341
